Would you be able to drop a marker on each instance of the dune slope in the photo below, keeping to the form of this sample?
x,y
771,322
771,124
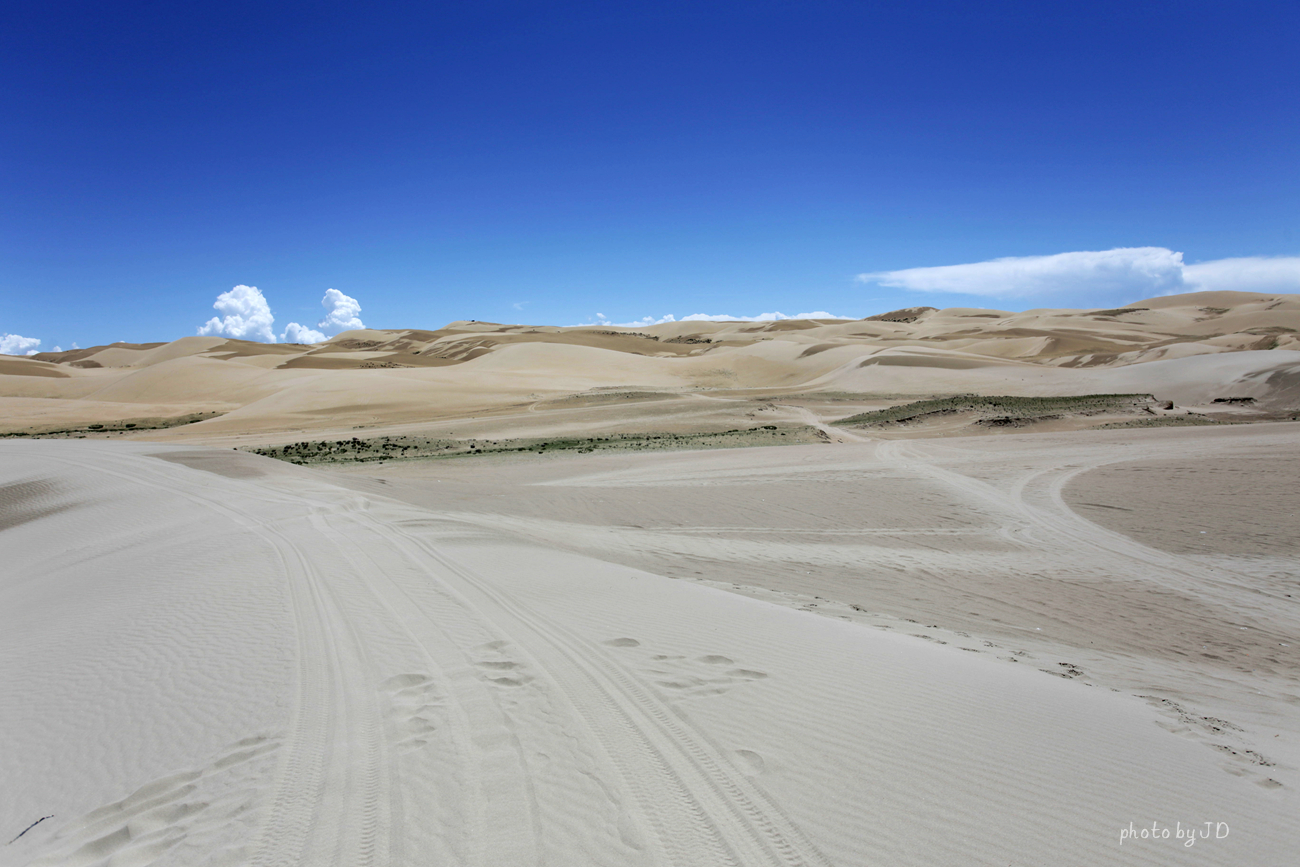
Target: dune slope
x,y
216,658
1191,349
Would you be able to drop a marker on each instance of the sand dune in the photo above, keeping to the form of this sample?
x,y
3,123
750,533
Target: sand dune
x,y
217,658
366,379
1014,585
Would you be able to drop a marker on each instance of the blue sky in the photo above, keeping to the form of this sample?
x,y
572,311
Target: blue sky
x,y
549,162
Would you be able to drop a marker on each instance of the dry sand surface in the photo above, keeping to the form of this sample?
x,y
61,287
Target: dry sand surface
x,y
212,657
899,642
473,379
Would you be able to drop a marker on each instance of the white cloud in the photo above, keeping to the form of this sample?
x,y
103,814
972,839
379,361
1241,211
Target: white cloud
x,y
340,312
1245,274
247,316
638,323
16,344
762,317
1127,272
711,317
1135,272
57,349
295,333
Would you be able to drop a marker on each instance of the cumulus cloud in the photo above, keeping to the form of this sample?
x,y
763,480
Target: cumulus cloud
x,y
340,312
295,333
16,344
247,316
712,317
340,315
1129,271
1245,274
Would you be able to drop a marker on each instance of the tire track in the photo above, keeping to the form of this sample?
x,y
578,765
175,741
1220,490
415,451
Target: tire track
x,y
328,802
320,811
1042,519
717,817
479,719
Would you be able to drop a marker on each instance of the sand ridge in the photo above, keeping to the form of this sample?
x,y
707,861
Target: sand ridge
x,y
1189,348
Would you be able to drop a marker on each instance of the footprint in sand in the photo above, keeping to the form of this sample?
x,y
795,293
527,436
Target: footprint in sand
x,y
497,667
692,677
700,677
217,799
415,709
750,763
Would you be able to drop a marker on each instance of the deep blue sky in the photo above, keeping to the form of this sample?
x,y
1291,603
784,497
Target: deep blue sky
x,y
441,161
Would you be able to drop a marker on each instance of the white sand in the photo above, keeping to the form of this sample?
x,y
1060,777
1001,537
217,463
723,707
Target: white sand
x,y
882,649
215,658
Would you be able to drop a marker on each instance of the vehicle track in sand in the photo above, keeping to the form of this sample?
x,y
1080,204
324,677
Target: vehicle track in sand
x,y
1037,515
328,800
507,672
702,810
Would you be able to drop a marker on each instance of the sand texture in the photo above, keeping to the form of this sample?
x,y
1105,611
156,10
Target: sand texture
x,y
491,381
213,657
936,587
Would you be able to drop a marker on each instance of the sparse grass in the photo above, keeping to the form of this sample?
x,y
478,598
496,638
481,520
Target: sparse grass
x,y
1163,421
357,450
122,426
1002,406
1118,311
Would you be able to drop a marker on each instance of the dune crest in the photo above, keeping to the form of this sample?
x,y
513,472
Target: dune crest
x,y
1192,349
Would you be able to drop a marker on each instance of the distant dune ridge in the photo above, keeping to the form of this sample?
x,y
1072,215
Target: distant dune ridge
x,y
1189,348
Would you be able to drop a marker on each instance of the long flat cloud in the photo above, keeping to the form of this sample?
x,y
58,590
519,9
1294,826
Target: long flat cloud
x,y
1246,274
1130,272
710,317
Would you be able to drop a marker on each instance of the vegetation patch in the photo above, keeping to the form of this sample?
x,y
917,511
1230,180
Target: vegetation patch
x,y
114,427
1118,311
907,314
357,450
1002,409
1189,420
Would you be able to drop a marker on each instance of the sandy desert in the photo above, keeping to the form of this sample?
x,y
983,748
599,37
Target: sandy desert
x,y
935,587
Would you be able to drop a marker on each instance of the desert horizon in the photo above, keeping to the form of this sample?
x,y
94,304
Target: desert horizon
x,y
1221,356
710,434
784,592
